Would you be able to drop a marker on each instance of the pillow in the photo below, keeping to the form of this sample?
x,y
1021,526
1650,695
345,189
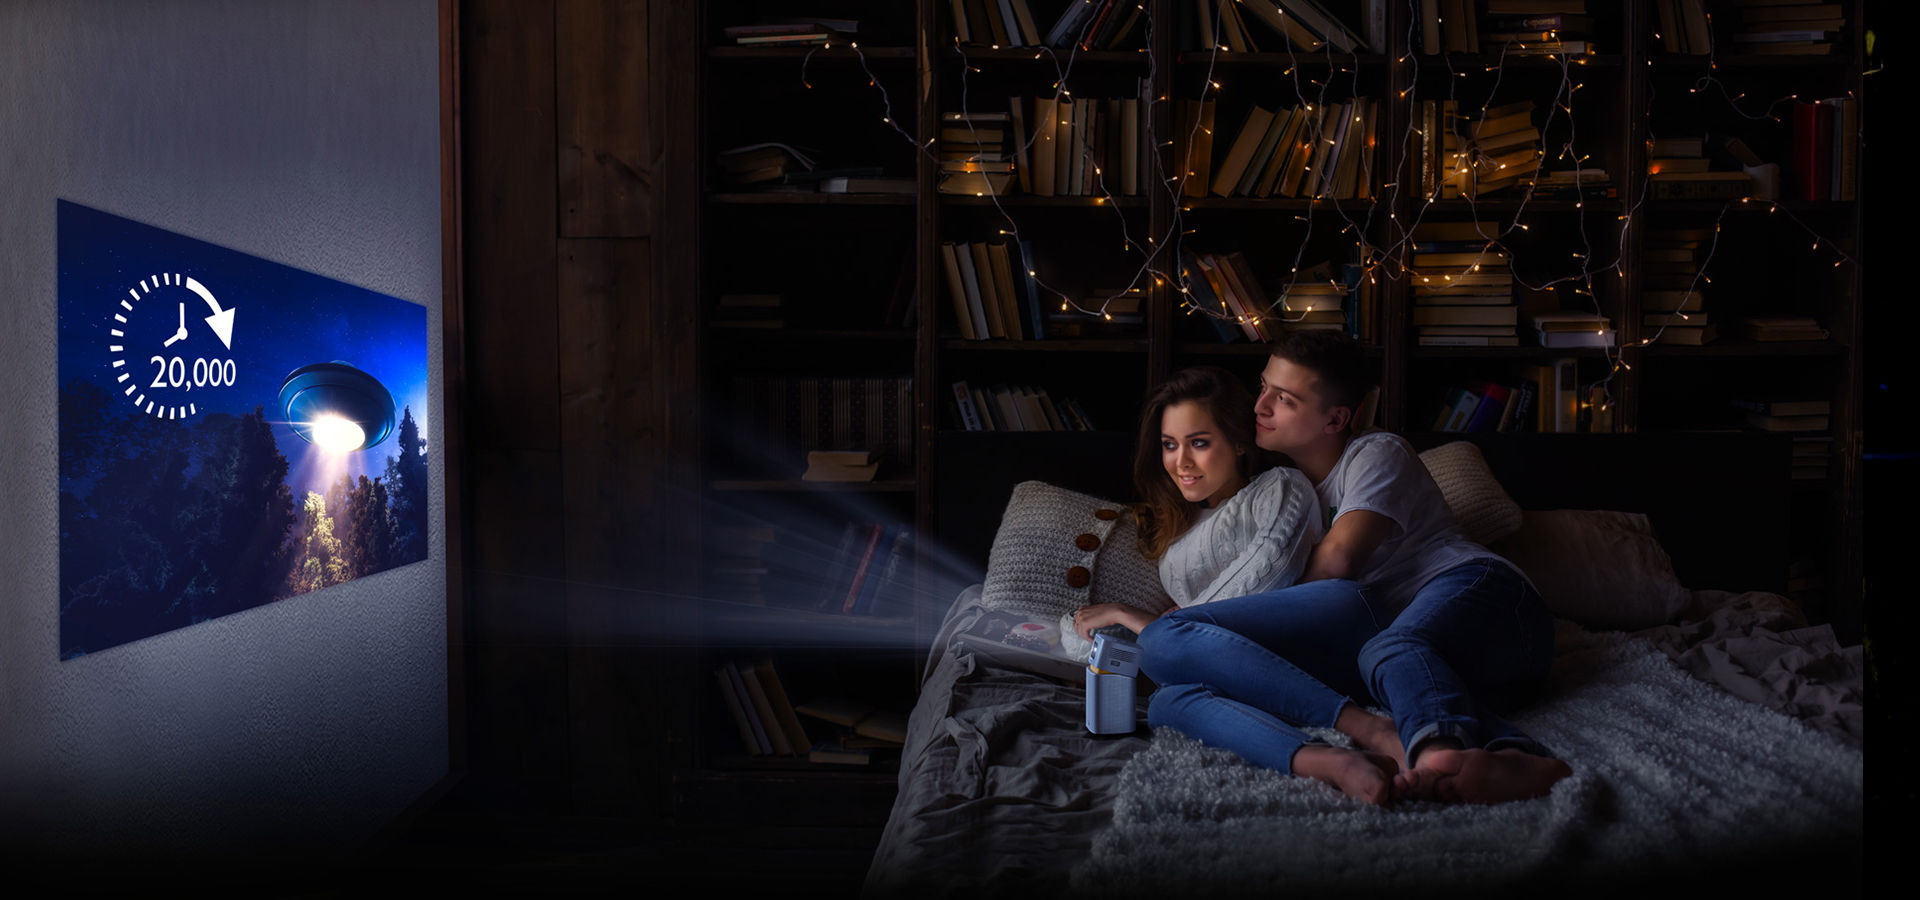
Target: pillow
x,y
1058,550
1600,568
1480,506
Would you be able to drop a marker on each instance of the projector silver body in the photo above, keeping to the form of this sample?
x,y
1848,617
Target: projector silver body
x,y
1111,672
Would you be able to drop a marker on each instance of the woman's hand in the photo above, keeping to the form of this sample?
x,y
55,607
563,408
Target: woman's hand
x,y
1100,615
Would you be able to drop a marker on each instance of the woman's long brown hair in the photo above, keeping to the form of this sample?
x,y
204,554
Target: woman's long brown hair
x,y
1162,514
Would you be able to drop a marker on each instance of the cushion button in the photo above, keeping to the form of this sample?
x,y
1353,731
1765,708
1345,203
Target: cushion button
x,y
1078,576
1106,514
1087,542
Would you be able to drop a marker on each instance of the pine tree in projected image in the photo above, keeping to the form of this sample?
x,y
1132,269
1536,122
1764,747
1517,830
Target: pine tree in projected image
x,y
407,484
319,564
158,533
366,541
238,526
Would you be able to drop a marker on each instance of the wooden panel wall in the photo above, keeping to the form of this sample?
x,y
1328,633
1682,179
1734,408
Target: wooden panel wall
x,y
574,535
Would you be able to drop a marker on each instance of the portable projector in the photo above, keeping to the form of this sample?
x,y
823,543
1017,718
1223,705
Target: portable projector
x,y
1111,671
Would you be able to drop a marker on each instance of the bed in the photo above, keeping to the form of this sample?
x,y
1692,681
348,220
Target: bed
x,y
1715,736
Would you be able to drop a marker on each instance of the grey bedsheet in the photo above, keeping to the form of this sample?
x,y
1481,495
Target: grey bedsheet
x,y
1002,791
1001,787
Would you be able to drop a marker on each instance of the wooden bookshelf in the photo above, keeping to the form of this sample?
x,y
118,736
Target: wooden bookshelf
x,y
1629,93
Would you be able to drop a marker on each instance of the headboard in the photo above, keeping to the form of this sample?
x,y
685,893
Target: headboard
x,y
1720,502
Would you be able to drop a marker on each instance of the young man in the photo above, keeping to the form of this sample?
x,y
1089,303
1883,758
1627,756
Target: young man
x,y
1465,628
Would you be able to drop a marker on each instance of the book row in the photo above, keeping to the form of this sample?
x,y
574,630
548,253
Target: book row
x,y
1014,408
1306,151
1760,26
1060,147
868,572
777,419
1544,397
770,724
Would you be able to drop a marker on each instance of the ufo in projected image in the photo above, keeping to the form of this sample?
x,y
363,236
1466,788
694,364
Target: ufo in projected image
x,y
337,407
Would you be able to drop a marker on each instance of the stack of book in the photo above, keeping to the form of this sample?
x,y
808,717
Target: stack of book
x,y
1497,151
1298,25
1462,288
841,465
756,700
758,165
1015,408
1112,312
861,733
1673,295
1678,169
1684,27
1776,328
1573,329
973,154
1524,27
869,574
1826,143
993,290
1809,29
1081,146
1573,184
754,311
1797,415
1312,304
1307,151
1535,28
792,32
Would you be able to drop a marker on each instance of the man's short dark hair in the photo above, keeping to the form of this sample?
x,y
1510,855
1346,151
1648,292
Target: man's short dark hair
x,y
1336,357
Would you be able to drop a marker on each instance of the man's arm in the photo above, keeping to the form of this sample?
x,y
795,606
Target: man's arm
x,y
1344,552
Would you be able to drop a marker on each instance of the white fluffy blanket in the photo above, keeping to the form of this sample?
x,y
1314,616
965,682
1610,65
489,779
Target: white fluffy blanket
x,y
1668,771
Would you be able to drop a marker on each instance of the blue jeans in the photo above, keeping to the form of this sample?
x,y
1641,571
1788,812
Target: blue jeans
x,y
1244,673
1475,634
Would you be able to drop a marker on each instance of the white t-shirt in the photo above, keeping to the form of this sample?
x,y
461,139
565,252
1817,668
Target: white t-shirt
x,y
1381,473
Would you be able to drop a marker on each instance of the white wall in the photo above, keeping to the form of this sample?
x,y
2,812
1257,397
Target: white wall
x,y
301,131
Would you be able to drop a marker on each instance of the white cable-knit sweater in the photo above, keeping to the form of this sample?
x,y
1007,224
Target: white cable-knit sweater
x,y
1258,540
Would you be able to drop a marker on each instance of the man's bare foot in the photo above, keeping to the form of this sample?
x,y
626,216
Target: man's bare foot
x,y
1371,731
1362,775
1452,775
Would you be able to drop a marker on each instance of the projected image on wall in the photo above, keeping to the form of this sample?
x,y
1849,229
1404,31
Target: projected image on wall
x,y
233,431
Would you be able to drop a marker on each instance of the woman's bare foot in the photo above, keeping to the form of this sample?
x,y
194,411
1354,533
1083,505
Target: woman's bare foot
x,y
1362,775
1453,775
1371,731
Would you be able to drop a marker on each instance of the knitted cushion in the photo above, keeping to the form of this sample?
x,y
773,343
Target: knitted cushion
x,y
1601,568
1480,506
1058,550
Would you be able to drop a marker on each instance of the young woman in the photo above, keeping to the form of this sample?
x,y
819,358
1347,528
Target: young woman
x,y
1234,669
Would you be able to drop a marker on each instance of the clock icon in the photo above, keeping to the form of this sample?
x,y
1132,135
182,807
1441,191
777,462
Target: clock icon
x,y
188,353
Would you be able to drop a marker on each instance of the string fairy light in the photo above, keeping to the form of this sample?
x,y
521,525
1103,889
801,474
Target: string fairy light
x,y
1373,261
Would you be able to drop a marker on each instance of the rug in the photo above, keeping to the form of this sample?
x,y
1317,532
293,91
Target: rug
x,y
1668,771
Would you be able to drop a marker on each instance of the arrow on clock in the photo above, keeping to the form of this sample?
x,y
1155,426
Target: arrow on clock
x,y
222,319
